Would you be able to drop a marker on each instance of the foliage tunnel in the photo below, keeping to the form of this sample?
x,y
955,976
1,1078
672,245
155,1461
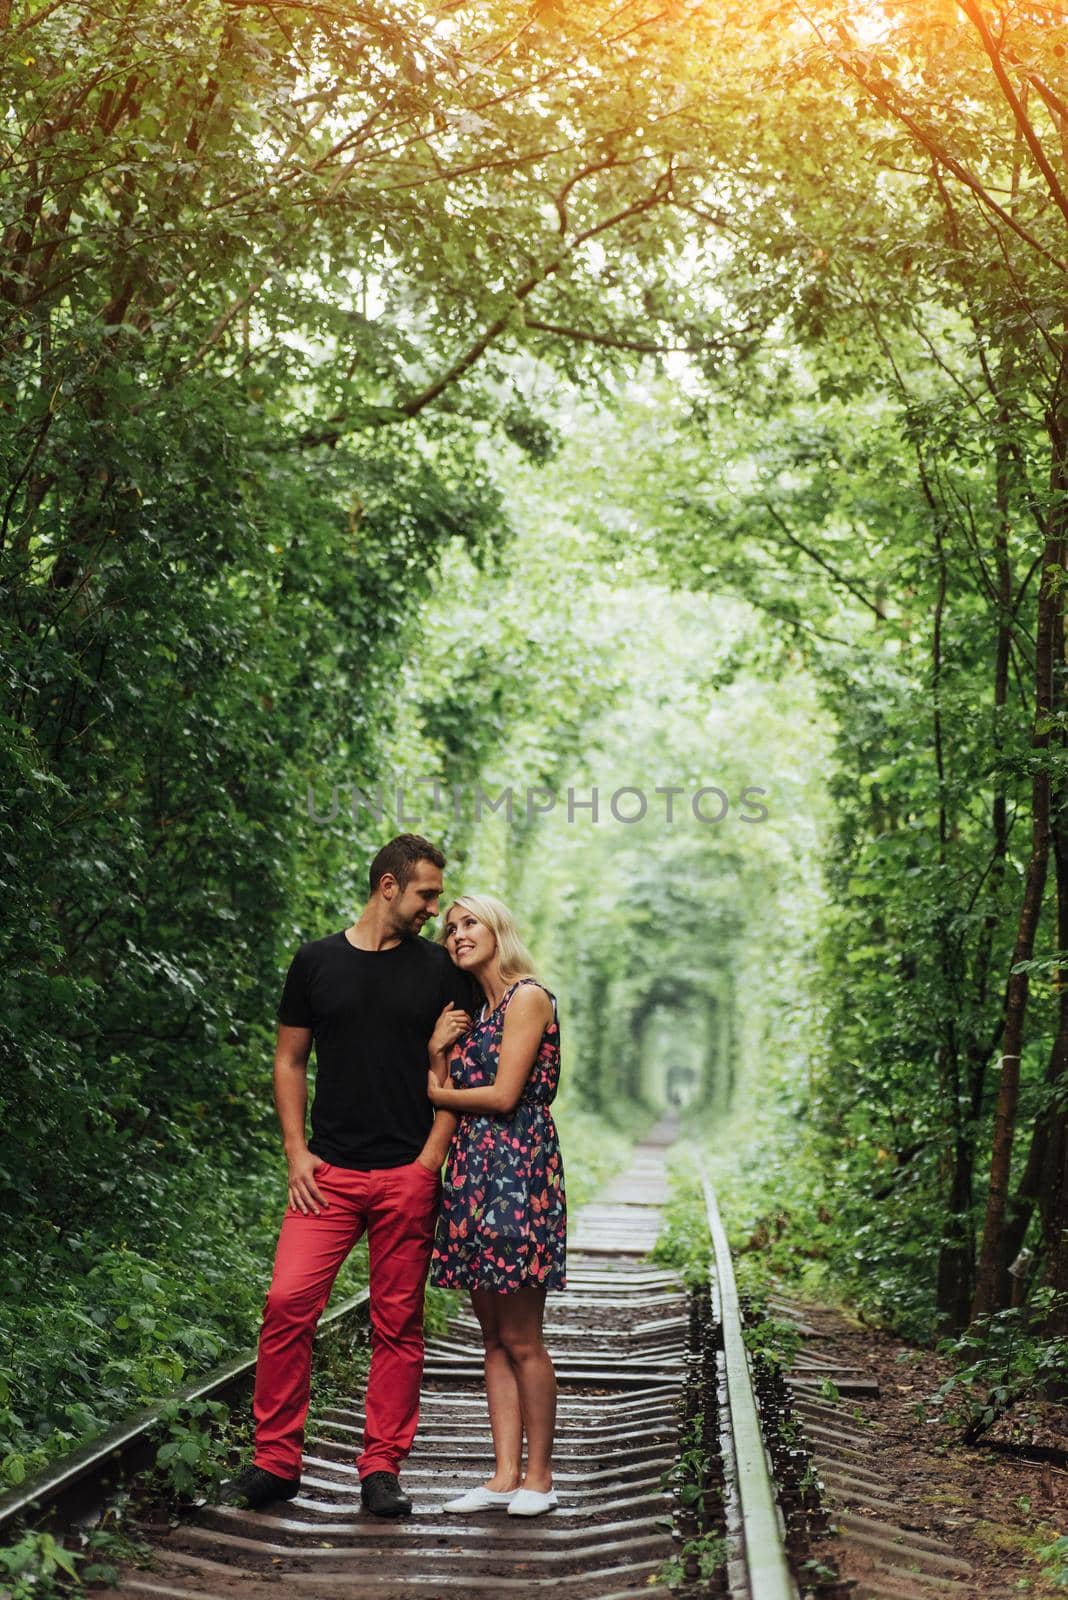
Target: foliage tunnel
x,y
472,415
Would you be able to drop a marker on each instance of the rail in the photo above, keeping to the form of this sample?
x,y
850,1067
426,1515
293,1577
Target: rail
x,y
762,1529
78,1484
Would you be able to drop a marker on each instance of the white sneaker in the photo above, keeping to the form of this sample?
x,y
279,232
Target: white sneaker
x,y
531,1502
481,1499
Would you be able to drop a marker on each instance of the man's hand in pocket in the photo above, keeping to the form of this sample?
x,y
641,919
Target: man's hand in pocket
x,y
304,1194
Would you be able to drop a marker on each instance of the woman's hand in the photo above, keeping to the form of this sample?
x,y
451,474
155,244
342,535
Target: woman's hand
x,y
451,1025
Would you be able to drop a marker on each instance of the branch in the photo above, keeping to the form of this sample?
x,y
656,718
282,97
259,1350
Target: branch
x,y
879,92
714,219
615,341
959,171
798,624
415,403
1053,102
1022,300
814,555
337,425
560,200
530,87
20,477
222,323
35,18
1023,122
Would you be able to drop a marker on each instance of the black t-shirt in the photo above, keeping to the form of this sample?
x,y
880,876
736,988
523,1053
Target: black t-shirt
x,y
371,1013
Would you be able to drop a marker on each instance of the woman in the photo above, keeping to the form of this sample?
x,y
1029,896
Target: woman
x,y
501,1231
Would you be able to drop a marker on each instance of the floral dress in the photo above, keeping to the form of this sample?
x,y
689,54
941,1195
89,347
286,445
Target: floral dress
x,y
503,1218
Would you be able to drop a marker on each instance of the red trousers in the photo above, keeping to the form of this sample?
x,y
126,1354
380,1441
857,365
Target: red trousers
x,y
398,1208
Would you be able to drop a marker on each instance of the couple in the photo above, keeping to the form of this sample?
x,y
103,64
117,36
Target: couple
x,y
407,1080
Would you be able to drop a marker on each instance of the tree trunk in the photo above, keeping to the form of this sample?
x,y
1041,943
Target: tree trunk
x,y
956,1262
955,1253
1053,1185
992,1288
1045,1178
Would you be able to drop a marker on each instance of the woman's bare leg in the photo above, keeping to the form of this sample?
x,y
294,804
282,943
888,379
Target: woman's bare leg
x,y
519,1323
502,1395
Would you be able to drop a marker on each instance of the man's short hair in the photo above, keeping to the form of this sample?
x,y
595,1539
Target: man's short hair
x,y
399,857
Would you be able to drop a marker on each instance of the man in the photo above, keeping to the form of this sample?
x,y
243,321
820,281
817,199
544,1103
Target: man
x,y
369,997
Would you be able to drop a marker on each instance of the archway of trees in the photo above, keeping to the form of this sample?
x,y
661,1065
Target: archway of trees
x,y
665,400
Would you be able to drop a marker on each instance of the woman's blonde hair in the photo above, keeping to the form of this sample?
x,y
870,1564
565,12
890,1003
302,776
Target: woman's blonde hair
x,y
513,957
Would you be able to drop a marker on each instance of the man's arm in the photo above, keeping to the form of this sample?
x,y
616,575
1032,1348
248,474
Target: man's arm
x,y
438,1140
291,1102
450,1025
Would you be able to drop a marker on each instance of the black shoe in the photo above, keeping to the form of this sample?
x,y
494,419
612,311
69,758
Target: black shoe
x,y
255,1486
380,1493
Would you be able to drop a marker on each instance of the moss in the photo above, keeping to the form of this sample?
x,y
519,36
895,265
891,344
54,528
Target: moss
x,y
1015,1541
1044,1581
944,1497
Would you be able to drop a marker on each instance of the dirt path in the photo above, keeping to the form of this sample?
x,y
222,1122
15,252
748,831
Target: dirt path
x,y
990,1510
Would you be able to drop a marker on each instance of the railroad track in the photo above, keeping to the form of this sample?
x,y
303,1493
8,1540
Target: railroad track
x,y
618,1335
639,1359
879,1548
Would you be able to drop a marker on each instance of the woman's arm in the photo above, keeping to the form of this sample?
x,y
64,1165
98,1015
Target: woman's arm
x,y
528,1015
449,1028
439,1064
